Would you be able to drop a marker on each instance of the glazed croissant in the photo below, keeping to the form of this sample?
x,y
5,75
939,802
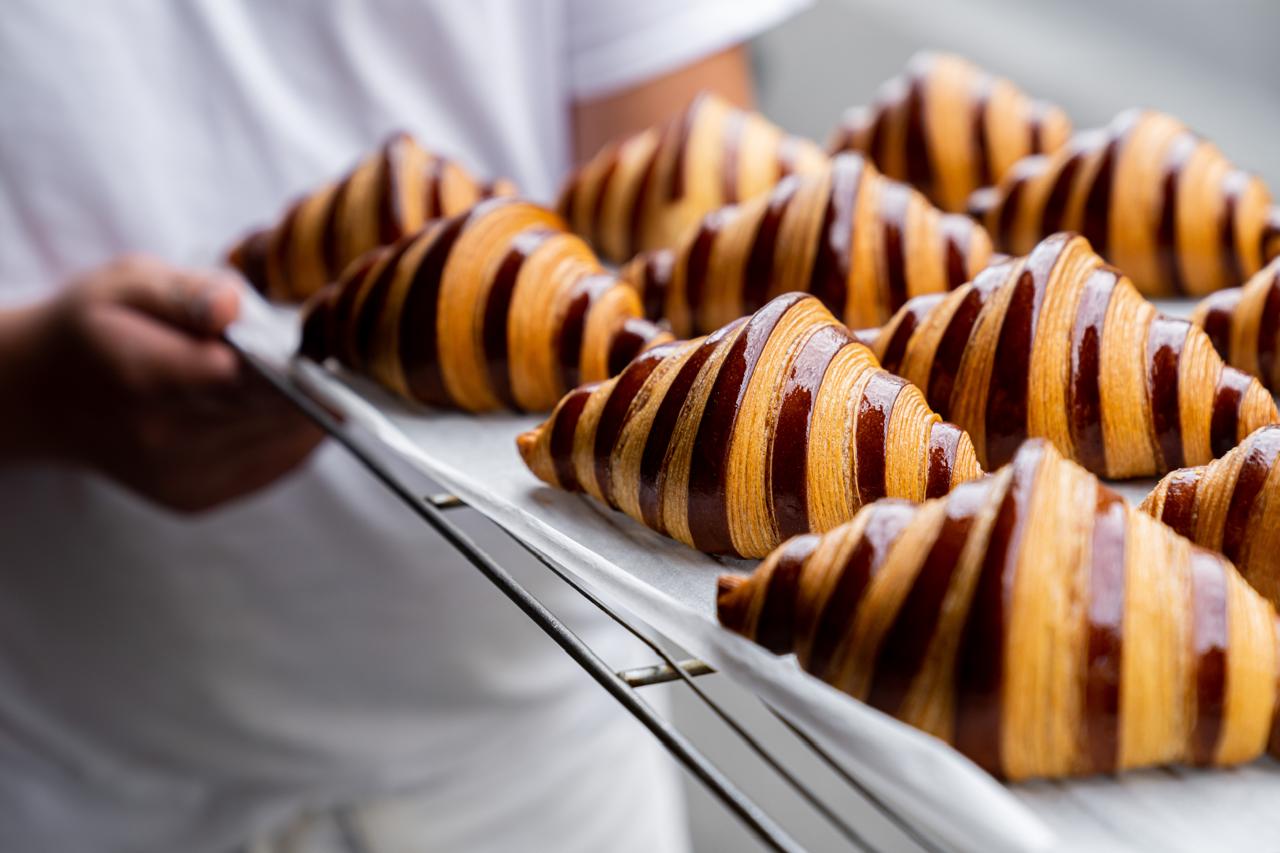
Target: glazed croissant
x,y
1244,324
947,128
499,307
860,242
1231,506
387,195
647,190
1033,620
1154,198
778,423
1061,346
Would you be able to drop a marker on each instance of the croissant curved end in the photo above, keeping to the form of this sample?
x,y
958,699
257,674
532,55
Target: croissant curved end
x,y
732,601
527,444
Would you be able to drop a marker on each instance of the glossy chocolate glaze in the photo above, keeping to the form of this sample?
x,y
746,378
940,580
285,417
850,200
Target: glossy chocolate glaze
x,y
497,309
959,233
980,657
613,417
640,201
982,86
435,187
871,437
345,305
655,281
734,124
885,522
789,448
373,307
573,328
944,438
563,429
658,444
317,324
628,341
279,243
1217,320
1232,185
1180,151
894,201
776,627
1269,332
1084,396
1055,206
1179,512
829,278
910,316
1210,641
1165,338
698,262
707,507
951,346
1104,654
418,319
1095,218
683,129
915,145
1252,476
1008,206
902,651
602,192
757,275
390,213
1224,424
331,233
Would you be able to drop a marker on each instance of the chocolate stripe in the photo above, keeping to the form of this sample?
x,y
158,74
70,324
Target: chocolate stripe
x,y
497,309
980,657
1165,338
949,354
731,130
613,417
656,271
789,447
708,511
1084,395
698,261
390,213
1095,218
640,201
958,233
1055,206
628,341
653,460
1106,632
562,432
758,274
894,202
982,85
374,306
418,333
915,147
1260,458
1221,306
885,522
776,626
596,223
677,180
331,231
1232,185
944,439
829,278
435,187
910,316
573,328
1269,331
1209,603
1008,215
1180,152
1224,425
906,643
875,410
1179,512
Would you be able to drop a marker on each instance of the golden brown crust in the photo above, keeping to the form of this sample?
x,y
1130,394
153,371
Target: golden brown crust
x,y
1156,200
498,307
1033,620
646,191
1230,506
1244,324
947,128
1061,346
861,243
388,195
775,424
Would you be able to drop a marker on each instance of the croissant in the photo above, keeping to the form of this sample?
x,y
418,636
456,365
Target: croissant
x,y
860,242
1230,505
1061,346
387,195
947,128
499,307
778,423
1244,322
1033,620
1155,199
647,190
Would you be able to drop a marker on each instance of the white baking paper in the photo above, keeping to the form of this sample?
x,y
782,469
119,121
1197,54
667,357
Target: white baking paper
x,y
672,588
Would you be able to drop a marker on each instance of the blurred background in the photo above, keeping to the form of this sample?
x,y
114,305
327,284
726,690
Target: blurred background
x,y
1214,65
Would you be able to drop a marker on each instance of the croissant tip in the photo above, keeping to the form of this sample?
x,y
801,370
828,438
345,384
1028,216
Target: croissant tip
x,y
731,604
527,443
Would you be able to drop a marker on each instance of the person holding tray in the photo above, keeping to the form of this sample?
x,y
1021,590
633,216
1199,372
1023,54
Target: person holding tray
x,y
216,631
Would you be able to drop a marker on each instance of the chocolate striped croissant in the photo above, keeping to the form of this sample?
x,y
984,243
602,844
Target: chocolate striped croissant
x,y
647,190
1154,198
1231,506
1244,324
778,423
1061,346
857,240
1033,620
947,128
499,307
387,195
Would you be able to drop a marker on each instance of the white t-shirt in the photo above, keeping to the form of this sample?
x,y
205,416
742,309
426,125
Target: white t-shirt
x,y
184,684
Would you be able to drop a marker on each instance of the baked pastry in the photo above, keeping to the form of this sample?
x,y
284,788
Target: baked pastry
x,y
857,240
1244,324
947,127
1061,346
1231,506
498,307
387,195
778,423
1154,198
1033,620
647,190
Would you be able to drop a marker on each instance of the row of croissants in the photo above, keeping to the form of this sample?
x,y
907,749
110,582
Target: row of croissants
x,y
813,357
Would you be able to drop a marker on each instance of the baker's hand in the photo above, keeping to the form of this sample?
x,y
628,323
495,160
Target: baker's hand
x,y
124,372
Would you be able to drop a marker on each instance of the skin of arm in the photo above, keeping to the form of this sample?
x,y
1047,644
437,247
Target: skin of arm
x,y
600,120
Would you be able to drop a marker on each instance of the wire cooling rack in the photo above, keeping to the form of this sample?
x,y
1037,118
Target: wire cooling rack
x,y
626,685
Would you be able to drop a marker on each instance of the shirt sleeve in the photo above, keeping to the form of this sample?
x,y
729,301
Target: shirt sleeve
x,y
614,44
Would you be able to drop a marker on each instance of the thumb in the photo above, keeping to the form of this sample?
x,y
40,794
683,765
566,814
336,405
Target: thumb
x,y
202,303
